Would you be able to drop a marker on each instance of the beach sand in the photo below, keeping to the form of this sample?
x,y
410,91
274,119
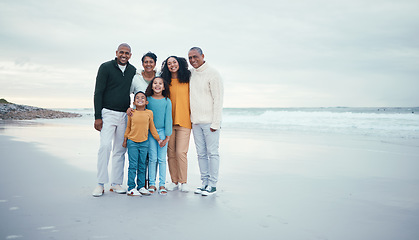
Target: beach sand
x,y
273,185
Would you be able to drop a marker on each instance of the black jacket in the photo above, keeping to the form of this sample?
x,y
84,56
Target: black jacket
x,y
112,87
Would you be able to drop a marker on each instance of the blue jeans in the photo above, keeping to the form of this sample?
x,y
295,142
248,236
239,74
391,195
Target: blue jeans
x,y
207,144
137,154
157,156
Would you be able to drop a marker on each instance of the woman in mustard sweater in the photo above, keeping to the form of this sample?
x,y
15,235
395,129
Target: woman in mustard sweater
x,y
175,72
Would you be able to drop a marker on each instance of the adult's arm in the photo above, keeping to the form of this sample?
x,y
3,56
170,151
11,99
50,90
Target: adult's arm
x,y
101,81
217,93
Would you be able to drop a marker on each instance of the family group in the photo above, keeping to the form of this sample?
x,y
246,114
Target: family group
x,y
167,105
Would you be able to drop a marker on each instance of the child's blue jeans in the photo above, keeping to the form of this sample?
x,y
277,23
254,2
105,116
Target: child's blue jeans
x,y
137,154
157,156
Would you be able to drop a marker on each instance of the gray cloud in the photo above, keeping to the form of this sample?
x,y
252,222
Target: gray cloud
x,y
322,53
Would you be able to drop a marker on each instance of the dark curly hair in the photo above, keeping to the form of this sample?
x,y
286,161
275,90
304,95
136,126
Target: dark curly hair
x,y
166,92
183,73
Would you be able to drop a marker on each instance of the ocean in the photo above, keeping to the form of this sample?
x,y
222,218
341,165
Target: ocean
x,y
378,122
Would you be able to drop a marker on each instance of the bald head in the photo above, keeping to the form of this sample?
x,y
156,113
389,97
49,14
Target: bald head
x,y
124,45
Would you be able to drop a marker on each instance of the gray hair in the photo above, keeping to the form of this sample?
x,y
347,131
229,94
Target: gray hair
x,y
198,49
124,45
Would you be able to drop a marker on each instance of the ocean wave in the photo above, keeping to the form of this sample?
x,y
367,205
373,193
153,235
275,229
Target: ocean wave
x,y
400,125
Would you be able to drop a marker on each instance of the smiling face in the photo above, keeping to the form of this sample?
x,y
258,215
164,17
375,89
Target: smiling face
x,y
140,101
158,86
195,58
149,64
123,54
172,64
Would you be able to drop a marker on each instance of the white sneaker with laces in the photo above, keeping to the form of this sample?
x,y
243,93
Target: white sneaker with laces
x,y
134,192
172,186
117,189
209,191
200,189
184,187
98,191
144,191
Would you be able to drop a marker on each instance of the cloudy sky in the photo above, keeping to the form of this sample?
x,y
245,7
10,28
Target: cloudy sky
x,y
276,53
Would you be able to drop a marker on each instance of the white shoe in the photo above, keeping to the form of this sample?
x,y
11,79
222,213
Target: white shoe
x,y
209,191
134,192
200,189
144,191
184,187
98,191
117,189
172,186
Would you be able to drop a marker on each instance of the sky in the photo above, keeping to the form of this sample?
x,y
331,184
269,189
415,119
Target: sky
x,y
270,53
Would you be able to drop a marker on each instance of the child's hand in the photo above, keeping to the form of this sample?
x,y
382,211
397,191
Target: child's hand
x,y
164,142
130,111
124,144
160,143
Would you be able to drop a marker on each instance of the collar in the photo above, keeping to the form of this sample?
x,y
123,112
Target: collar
x,y
115,63
202,68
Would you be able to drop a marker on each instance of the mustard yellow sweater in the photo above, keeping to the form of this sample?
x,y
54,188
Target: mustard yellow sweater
x,y
139,124
179,95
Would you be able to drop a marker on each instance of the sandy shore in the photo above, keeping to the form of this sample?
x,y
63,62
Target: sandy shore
x,y
279,185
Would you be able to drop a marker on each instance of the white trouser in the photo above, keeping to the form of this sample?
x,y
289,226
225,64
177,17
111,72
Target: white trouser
x,y
113,129
207,143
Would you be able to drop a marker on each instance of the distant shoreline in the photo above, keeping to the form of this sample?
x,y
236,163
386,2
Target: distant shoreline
x,y
11,111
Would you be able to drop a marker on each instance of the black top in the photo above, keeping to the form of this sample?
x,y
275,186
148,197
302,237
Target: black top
x,y
112,87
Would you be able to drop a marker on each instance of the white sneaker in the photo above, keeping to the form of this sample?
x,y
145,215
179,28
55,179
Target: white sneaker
x,y
134,192
184,187
117,189
200,189
172,186
144,191
209,191
98,191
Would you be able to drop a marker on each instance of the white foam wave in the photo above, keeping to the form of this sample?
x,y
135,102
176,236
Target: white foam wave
x,y
393,124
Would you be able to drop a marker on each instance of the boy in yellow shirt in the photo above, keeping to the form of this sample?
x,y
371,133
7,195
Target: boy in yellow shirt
x,y
136,140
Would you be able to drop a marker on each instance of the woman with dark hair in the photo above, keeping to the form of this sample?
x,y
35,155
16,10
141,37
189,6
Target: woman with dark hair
x,y
175,72
141,79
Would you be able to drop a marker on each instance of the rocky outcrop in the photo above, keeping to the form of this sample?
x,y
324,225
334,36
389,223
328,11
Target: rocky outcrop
x,y
11,111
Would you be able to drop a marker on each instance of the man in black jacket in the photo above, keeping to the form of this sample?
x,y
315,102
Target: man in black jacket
x,y
111,100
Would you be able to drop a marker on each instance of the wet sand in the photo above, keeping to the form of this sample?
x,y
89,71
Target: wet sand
x,y
273,185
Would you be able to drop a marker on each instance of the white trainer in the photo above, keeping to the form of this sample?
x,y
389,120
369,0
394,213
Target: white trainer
x,y
117,189
209,191
134,192
184,187
172,186
98,191
200,189
144,191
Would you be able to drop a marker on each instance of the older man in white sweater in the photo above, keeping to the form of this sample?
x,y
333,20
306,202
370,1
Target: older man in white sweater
x,y
206,101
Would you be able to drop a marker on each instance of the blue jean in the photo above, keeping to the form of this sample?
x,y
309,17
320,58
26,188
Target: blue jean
x,y
137,154
157,156
207,144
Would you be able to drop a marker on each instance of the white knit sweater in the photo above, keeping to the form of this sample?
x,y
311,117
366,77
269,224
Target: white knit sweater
x,y
206,95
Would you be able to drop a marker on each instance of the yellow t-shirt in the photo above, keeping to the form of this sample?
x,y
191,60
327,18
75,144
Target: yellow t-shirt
x,y
139,124
181,111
